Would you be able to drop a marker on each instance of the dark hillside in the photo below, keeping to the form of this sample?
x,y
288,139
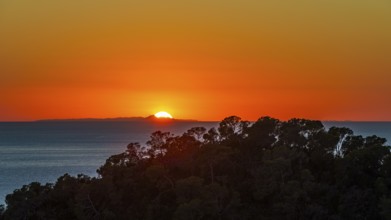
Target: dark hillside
x,y
269,169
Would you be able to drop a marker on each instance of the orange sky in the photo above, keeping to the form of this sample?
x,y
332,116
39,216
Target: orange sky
x,y
204,59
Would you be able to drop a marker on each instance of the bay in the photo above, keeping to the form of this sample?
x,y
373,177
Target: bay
x,y
43,151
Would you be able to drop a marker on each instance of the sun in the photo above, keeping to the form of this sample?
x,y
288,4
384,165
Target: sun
x,y
163,115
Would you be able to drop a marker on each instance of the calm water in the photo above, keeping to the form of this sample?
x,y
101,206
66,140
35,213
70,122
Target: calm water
x,y
43,151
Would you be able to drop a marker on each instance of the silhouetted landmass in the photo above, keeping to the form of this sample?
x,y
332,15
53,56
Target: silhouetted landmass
x,y
269,169
141,119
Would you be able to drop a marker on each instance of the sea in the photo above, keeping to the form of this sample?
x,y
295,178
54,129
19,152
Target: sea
x,y
42,151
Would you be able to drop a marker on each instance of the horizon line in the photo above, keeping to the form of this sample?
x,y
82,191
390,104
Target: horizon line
x,y
176,119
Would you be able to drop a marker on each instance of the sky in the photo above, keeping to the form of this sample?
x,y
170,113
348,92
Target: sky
x,y
204,59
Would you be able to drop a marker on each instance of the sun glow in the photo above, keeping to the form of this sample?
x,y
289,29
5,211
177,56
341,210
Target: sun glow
x,y
163,115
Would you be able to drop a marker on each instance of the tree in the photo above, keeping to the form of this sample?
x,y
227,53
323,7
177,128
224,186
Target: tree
x,y
269,169
157,144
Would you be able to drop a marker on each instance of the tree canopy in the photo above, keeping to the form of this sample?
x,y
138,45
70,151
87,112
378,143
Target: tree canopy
x,y
268,169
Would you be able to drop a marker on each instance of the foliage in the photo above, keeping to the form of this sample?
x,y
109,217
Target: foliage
x,y
268,169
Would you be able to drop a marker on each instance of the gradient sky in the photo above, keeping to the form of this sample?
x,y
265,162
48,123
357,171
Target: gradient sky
x,y
204,59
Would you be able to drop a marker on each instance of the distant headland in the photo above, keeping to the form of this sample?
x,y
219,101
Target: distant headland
x,y
135,119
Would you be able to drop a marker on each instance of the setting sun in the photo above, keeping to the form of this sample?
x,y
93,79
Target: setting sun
x,y
163,115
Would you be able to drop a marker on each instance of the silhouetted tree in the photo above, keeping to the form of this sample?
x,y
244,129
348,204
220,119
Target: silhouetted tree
x,y
269,169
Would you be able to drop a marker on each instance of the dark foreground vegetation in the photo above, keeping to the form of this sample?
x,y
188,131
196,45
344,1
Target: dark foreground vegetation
x,y
269,169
